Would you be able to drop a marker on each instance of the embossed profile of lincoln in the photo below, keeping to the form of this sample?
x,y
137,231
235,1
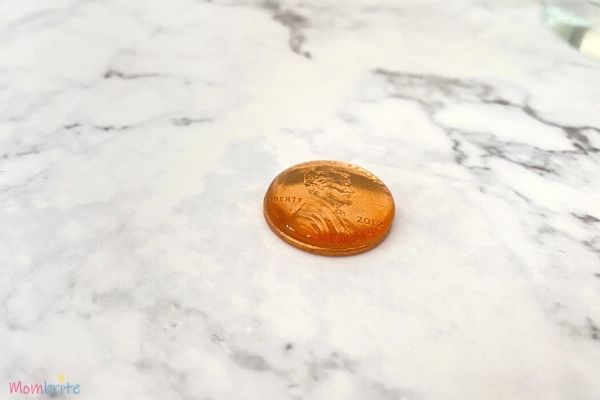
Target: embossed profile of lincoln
x,y
330,191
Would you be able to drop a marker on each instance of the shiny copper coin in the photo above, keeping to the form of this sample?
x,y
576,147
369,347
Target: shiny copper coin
x,y
329,207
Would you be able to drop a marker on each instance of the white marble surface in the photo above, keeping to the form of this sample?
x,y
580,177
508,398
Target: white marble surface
x,y
137,139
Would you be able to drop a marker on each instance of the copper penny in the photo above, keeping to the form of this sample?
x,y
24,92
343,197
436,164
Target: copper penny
x,y
329,207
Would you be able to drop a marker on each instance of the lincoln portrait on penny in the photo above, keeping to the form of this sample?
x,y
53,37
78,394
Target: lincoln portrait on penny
x,y
330,191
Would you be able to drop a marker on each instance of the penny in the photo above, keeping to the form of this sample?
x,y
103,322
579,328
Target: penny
x,y
329,207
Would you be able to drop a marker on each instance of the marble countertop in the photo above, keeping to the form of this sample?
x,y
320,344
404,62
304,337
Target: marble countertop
x,y
137,139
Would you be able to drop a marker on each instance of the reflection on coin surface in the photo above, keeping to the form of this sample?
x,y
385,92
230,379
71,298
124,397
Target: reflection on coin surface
x,y
329,207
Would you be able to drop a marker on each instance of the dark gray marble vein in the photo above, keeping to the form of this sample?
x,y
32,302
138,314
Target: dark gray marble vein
x,y
295,22
435,92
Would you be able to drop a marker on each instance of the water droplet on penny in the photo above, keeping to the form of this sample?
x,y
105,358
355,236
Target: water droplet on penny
x,y
329,207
